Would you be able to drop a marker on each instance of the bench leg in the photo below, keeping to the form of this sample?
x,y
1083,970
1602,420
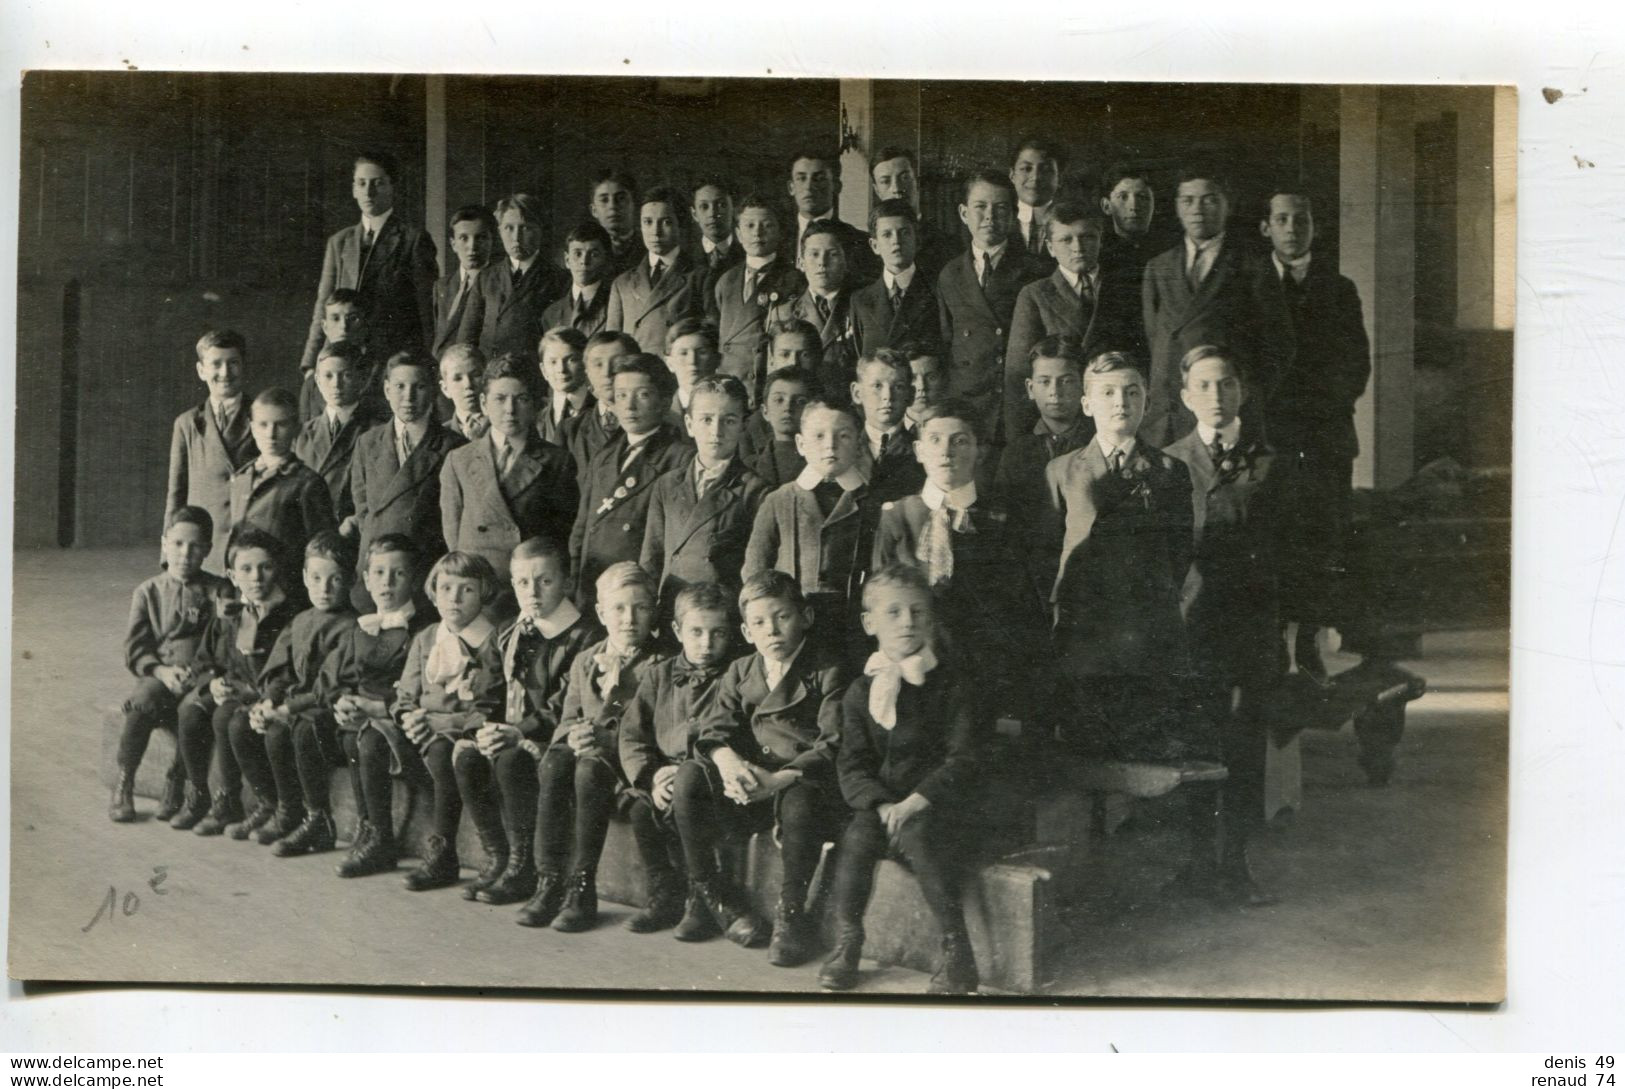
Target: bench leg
x,y
1378,732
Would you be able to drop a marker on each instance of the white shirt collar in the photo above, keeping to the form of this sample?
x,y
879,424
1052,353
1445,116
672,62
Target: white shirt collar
x,y
499,441
228,406
415,431
1108,449
665,259
711,247
342,413
523,266
774,671
851,480
1025,212
903,279
760,262
874,435
997,253
635,441
585,291
375,223
961,498
1230,433
562,616
1072,278
474,635
802,221
1192,247
712,474
1300,267
683,396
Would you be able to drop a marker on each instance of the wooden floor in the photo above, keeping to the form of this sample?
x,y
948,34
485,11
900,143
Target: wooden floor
x,y
1391,894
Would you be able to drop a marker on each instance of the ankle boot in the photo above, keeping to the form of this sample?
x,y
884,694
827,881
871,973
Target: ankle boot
x,y
438,868
494,842
957,973
121,809
374,851
174,795
518,881
792,934
840,971
315,833
248,827
665,907
225,810
739,923
194,810
697,924
543,906
580,911
288,817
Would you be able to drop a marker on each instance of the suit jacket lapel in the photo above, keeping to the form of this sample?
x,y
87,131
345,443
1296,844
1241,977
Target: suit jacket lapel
x,y
970,289
718,499
383,247
419,464
522,473
671,282
791,690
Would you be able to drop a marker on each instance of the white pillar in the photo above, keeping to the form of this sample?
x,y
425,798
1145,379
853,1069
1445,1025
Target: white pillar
x,y
1377,240
857,118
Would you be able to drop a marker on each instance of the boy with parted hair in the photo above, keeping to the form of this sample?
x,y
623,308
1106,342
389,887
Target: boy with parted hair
x,y
584,306
599,427
276,491
326,441
826,304
461,296
568,395
744,293
212,441
777,460
900,307
651,296
611,201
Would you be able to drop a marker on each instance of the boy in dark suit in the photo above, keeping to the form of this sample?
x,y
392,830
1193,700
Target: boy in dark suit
x,y
1199,292
169,615
1055,385
584,306
657,742
691,356
578,771
976,297
343,322
771,743
778,460
1122,517
894,175
1231,615
618,483
907,765
701,513
792,343
569,397
819,527
1127,198
599,427
648,298
356,686
744,292
462,379
815,186
1064,303
930,382
288,685
225,683
898,308
1325,362
826,304
395,472
964,544
611,203
276,491
1036,166
327,440
511,485
390,265
520,288
212,441
712,209
460,297
882,392
499,783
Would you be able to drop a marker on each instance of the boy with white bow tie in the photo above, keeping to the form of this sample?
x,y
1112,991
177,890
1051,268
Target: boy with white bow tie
x,y
907,764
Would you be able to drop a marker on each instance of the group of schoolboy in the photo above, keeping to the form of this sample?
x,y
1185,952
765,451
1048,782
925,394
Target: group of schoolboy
x,y
516,573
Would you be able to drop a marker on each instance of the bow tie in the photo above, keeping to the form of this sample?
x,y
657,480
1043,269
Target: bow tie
x,y
686,673
610,665
374,623
888,684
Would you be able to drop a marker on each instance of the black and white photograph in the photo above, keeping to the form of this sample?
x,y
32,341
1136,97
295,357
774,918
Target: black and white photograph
x,y
720,535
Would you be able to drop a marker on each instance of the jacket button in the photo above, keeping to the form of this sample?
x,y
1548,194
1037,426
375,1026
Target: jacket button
x,y
626,527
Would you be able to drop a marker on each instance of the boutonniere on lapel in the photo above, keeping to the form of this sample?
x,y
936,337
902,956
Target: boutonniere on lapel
x,y
619,494
765,299
1237,462
1136,478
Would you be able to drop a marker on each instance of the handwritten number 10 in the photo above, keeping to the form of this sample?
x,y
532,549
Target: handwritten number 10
x,y
111,904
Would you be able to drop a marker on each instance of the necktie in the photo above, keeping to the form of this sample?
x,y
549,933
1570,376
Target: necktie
x,y
987,269
405,450
220,418
1199,266
368,236
1217,450
896,297
935,549
248,627
462,290
518,277
654,272
827,493
717,256
1117,461
504,458
752,278
1034,242
580,310
821,304
885,444
1086,294
333,426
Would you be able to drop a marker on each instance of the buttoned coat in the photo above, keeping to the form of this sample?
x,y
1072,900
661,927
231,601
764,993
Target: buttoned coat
x,y
876,325
562,311
562,432
1045,308
329,454
1125,544
1222,310
393,498
934,749
693,538
741,328
614,511
646,310
291,503
201,462
796,724
514,316
488,513
536,678
584,702
395,279
659,725
836,336
975,326
825,555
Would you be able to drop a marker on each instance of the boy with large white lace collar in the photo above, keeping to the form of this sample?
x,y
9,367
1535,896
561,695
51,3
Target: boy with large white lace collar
x,y
907,764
